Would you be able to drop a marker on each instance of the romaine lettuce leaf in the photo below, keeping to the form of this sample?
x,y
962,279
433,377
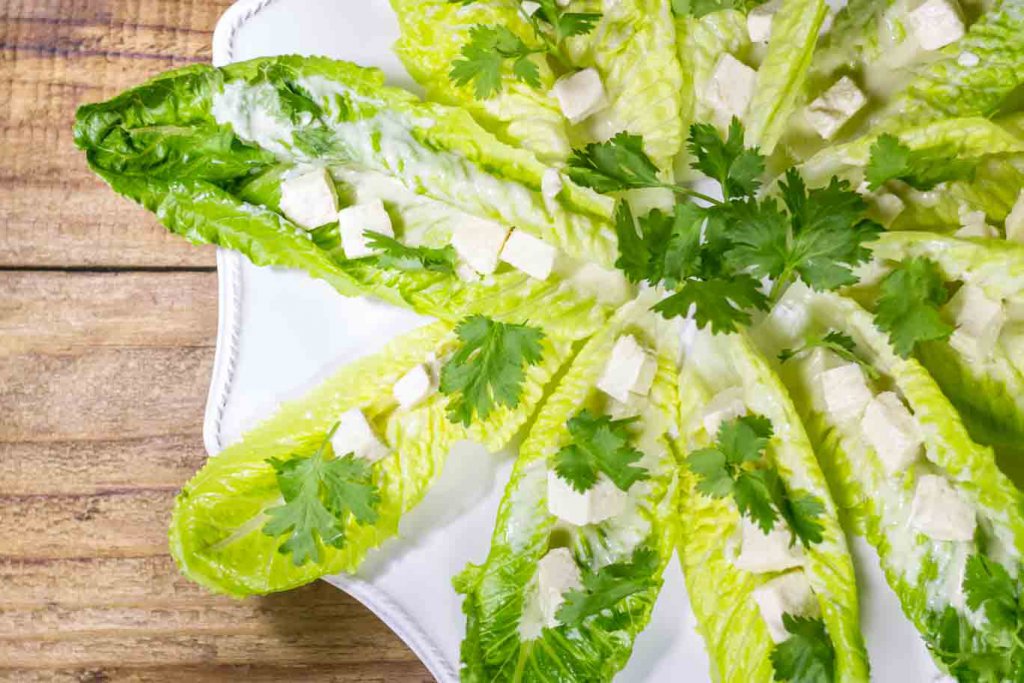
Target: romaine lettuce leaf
x,y
505,639
927,575
216,530
737,638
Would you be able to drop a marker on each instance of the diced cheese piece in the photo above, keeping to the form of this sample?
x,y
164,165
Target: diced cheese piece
x,y
309,199
627,371
534,257
759,21
600,502
888,207
724,406
936,23
977,316
761,553
845,392
633,407
557,574
580,94
787,594
608,286
479,241
413,387
973,224
729,90
355,435
551,184
939,512
892,432
1015,220
355,221
529,7
835,107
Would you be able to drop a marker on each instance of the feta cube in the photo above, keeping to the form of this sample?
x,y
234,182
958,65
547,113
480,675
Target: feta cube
x,y
479,241
724,406
628,370
787,594
355,221
759,21
977,317
761,553
580,94
1015,220
534,257
309,199
973,224
529,7
551,184
939,512
835,107
633,407
557,574
892,432
845,392
729,90
355,435
413,387
600,502
936,23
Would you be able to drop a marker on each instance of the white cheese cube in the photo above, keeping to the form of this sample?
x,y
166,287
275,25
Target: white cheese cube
x,y
729,90
355,435
598,503
633,407
355,221
580,94
551,184
761,553
627,370
557,574
525,252
529,7
479,241
892,432
724,406
936,23
835,107
939,512
787,594
977,317
759,21
413,387
845,392
309,199
1015,220
973,224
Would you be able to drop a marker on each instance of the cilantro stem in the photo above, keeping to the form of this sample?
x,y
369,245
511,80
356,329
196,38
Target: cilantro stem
x,y
680,189
553,47
780,284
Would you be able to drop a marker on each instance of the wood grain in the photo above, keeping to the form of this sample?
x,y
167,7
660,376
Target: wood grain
x,y
107,325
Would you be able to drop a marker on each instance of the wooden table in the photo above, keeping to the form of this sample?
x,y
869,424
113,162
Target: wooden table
x,y
107,328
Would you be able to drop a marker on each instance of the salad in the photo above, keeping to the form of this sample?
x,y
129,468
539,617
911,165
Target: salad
x,y
739,279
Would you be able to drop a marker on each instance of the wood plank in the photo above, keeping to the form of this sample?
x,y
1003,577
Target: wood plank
x,y
371,672
54,56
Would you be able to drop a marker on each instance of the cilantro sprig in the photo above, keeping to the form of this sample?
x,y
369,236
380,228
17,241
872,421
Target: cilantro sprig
x,y
492,49
807,655
737,466
606,587
394,254
489,368
320,493
700,8
599,445
922,169
714,255
839,343
908,306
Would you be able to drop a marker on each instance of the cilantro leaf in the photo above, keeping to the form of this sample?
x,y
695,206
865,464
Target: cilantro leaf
x,y
606,587
754,494
908,306
989,587
568,24
394,254
737,168
922,169
838,343
807,655
320,492
667,247
482,58
802,511
620,163
599,444
700,8
721,302
489,368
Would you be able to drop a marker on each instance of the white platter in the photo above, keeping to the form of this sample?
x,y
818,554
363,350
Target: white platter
x,y
280,332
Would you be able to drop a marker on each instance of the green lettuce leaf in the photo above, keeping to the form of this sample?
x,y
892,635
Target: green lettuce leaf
x,y
505,636
216,532
736,636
